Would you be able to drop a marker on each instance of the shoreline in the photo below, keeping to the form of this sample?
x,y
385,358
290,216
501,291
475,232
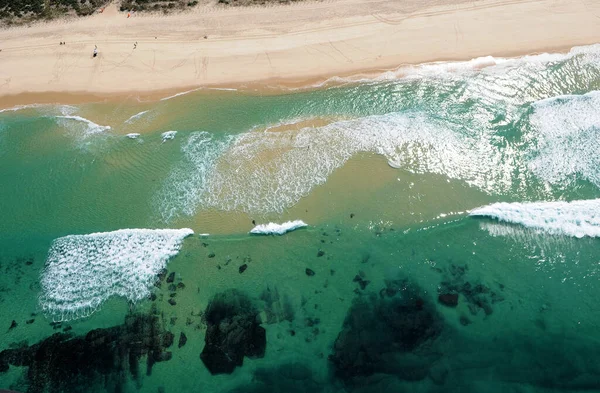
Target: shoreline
x,y
354,40
263,87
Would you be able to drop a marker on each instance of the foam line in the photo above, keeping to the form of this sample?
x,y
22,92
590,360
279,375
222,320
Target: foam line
x,y
567,139
168,135
179,94
450,68
136,117
92,128
83,271
278,229
20,107
575,219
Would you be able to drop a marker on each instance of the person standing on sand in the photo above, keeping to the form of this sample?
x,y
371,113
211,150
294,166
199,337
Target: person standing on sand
x,y
95,50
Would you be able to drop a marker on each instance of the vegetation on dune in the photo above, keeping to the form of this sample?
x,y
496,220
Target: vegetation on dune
x,y
24,11
15,11
243,3
156,5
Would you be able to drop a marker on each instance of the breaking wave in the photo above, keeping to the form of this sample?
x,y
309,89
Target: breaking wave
x,y
168,135
89,126
136,117
278,229
83,271
575,219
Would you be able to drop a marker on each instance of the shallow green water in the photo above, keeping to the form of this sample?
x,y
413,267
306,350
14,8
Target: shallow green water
x,y
384,172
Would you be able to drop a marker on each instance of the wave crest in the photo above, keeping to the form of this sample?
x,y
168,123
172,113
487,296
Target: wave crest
x,y
576,219
83,271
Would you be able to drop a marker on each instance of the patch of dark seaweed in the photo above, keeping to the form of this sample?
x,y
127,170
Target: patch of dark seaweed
x,y
103,357
382,334
233,332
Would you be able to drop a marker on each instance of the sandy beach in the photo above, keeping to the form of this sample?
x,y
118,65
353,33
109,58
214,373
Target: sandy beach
x,y
277,45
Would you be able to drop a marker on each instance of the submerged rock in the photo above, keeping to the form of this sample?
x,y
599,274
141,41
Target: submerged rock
x,y
310,272
182,340
448,299
243,268
232,332
361,281
171,278
477,296
381,333
62,362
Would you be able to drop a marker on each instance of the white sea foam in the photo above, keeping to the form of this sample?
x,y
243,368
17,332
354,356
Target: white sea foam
x,y
576,219
48,108
168,135
186,185
265,172
590,53
179,94
83,271
567,144
136,117
20,107
278,229
133,135
91,127
221,88
269,169
67,110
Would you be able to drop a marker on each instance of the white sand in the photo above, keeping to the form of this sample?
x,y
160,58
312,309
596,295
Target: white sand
x,y
293,44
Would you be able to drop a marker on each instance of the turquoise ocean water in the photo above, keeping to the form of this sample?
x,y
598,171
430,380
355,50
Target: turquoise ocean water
x,y
452,217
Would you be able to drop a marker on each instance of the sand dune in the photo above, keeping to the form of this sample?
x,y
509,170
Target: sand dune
x,y
291,44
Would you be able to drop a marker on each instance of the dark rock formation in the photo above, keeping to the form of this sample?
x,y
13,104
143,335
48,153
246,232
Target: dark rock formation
x,y
320,253
478,296
361,281
310,272
62,362
448,299
171,278
382,333
182,340
232,332
243,268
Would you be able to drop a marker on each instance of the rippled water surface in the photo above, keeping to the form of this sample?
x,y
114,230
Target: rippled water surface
x,y
434,229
